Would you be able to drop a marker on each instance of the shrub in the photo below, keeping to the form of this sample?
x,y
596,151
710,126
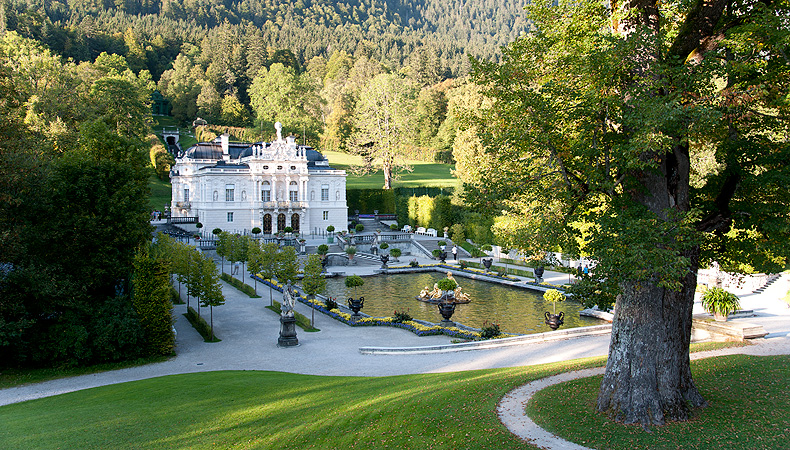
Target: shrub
x,y
330,303
490,330
719,302
288,229
457,232
401,316
553,296
359,227
463,264
330,228
414,263
395,252
322,249
198,225
384,246
243,287
394,227
256,230
200,325
446,284
351,250
216,231
441,243
436,253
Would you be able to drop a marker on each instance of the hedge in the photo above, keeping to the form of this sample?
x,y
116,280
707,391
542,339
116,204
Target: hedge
x,y
200,324
243,287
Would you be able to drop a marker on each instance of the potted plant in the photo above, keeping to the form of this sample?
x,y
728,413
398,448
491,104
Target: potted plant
x,y
720,303
351,251
554,320
447,285
395,253
330,238
288,230
355,304
256,231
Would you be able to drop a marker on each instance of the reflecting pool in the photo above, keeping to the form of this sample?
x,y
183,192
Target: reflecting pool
x,y
516,310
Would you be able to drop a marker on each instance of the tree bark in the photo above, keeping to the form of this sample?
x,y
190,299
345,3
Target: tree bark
x,y
648,374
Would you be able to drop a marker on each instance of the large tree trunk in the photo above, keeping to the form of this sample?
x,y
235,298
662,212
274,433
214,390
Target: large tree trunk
x,y
648,375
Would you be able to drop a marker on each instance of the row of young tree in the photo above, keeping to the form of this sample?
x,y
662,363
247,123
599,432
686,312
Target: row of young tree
x,y
73,206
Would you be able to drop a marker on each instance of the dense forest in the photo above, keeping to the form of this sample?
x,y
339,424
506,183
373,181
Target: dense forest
x,y
151,33
307,64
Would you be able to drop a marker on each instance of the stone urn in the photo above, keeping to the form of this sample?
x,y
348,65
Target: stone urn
x,y
356,304
539,274
554,320
446,309
384,260
487,263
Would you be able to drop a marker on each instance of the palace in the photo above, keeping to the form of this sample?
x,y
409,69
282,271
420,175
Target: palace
x,y
271,185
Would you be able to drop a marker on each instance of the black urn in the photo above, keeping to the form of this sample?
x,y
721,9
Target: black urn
x,y
446,309
355,304
487,263
554,320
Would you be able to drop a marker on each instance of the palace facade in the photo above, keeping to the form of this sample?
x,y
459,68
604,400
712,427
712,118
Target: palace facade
x,y
271,185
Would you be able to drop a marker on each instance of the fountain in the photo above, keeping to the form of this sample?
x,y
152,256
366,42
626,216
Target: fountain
x,y
453,295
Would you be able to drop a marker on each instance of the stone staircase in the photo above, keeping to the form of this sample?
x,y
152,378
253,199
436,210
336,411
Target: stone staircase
x,y
771,279
430,244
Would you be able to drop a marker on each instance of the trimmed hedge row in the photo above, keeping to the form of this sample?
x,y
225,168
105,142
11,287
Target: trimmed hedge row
x,y
200,324
243,287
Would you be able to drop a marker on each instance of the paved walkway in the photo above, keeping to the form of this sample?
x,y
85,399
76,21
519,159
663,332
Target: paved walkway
x,y
249,335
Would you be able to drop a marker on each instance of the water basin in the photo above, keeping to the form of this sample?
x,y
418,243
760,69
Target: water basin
x,y
516,310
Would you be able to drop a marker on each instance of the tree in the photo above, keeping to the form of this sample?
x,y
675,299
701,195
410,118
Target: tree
x,y
600,120
254,256
269,263
287,266
279,94
151,301
313,281
210,288
382,124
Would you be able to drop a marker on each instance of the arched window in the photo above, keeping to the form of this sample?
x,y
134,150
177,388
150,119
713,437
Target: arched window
x,y
266,192
293,191
295,222
267,223
280,223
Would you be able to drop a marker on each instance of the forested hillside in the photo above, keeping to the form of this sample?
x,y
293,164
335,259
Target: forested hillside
x,y
150,33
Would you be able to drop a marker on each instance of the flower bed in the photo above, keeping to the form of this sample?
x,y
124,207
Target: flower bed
x,y
415,327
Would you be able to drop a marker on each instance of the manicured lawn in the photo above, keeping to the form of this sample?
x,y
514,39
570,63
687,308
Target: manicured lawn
x,y
424,174
160,193
247,409
251,409
749,409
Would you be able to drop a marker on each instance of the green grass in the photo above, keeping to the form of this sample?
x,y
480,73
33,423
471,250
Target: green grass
x,y
272,410
424,174
748,409
160,193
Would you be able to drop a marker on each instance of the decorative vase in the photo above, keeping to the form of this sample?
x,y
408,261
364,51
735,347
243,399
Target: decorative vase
x,y
446,309
356,304
554,320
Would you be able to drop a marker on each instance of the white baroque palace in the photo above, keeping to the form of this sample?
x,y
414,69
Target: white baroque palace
x,y
271,185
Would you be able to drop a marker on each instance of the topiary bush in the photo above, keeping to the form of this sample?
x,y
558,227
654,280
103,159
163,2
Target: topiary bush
x,y
446,284
395,252
359,227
